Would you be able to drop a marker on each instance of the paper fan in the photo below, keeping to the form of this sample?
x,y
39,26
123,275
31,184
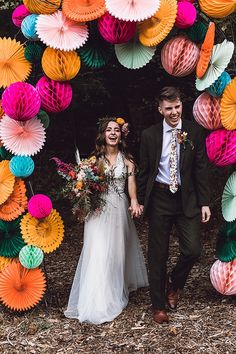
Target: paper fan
x,y
11,240
1,109
155,29
59,32
221,147
223,277
22,138
228,106
134,55
226,242
217,88
82,11
42,6
16,203
7,181
4,261
132,10
21,288
228,202
206,51
13,65
221,55
46,233
217,8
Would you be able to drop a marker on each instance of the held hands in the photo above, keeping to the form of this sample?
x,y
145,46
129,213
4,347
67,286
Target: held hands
x,y
206,213
135,209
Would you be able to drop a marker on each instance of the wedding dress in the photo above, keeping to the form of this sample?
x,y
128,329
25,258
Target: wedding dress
x,y
111,263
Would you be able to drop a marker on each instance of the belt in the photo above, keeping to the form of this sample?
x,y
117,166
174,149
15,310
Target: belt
x,y
163,185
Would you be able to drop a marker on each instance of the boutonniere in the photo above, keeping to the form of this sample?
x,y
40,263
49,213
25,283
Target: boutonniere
x,y
182,138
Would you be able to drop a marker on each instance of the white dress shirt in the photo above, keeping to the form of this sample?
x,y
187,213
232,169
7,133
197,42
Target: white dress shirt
x,y
163,175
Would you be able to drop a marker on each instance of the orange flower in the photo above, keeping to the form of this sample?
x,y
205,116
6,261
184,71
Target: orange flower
x,y
120,121
79,185
101,178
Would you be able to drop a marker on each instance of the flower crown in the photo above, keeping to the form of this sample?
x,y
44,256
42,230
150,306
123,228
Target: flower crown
x,y
122,123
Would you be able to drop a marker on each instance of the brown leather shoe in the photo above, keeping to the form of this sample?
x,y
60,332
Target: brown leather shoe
x,y
172,296
160,316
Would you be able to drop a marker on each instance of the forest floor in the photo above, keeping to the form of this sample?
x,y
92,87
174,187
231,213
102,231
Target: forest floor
x,y
204,323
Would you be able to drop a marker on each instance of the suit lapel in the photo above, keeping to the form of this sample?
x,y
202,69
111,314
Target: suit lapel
x,y
158,140
182,150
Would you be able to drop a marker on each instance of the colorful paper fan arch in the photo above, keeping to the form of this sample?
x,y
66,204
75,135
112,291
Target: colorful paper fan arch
x,y
40,206
7,181
21,166
11,240
132,10
16,203
13,65
22,138
31,257
28,27
59,32
115,31
82,11
186,15
206,51
226,242
4,261
154,30
217,8
217,88
228,106
42,6
21,101
206,111
46,233
60,65
228,202
19,14
21,288
133,55
223,277
221,55
55,96
221,147
179,56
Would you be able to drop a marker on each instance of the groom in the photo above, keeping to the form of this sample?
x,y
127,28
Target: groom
x,y
173,189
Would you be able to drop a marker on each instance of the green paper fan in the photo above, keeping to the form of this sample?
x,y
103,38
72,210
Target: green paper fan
x,y
5,154
44,118
11,240
33,53
228,202
31,256
226,242
197,32
134,55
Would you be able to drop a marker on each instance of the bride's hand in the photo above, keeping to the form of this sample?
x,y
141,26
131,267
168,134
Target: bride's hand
x,y
135,208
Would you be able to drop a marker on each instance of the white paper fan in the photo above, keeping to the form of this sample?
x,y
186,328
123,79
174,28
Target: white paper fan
x,y
228,202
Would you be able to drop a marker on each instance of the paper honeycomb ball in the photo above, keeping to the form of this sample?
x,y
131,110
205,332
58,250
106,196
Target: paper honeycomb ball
x,y
44,118
221,147
19,14
21,101
33,52
59,65
40,206
217,88
223,277
55,96
186,15
42,6
217,8
228,106
21,166
115,31
28,27
179,56
197,32
31,256
206,111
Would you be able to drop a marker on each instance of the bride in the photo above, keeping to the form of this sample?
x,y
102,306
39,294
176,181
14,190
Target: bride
x,y
111,262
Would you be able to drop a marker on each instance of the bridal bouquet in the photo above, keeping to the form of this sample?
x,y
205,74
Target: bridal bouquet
x,y
85,185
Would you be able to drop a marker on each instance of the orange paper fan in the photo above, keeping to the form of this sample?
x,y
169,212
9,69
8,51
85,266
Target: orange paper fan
x,y
206,51
1,109
228,106
217,8
153,30
16,203
46,233
42,6
4,261
7,181
21,288
13,65
83,10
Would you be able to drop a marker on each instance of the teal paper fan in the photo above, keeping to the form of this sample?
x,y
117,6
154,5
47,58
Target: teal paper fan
x,y
31,256
134,55
226,242
44,118
11,241
197,32
5,154
228,202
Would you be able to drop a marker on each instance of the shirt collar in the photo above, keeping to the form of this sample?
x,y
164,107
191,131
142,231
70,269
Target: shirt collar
x,y
168,128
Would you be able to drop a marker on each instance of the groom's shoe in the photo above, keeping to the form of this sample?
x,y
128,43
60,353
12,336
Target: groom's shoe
x,y
160,316
172,297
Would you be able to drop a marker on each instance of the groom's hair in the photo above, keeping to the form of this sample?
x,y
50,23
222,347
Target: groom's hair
x,y
169,93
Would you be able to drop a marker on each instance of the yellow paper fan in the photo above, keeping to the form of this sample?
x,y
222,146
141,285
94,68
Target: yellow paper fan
x,y
46,233
217,8
228,106
42,6
7,181
4,261
13,65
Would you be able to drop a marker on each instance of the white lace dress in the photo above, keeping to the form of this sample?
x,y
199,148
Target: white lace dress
x,y
111,262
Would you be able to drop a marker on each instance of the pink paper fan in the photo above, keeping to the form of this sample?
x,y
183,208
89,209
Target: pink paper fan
x,y
132,10
22,138
115,31
55,96
206,111
186,15
221,147
179,56
19,14
59,32
21,101
223,277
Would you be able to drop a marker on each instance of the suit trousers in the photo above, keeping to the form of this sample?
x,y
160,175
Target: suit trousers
x,y
164,212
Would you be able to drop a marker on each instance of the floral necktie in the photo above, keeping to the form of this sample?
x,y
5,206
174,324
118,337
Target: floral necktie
x,y
173,162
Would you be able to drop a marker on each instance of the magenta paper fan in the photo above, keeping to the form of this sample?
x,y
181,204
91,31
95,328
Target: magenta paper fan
x,y
22,138
186,15
59,32
132,10
115,31
19,14
206,111
21,101
221,147
223,277
55,96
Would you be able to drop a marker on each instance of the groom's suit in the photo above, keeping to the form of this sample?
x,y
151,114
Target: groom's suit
x,y
165,208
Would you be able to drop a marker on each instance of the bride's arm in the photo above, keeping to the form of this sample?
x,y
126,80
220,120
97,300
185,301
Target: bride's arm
x,y
135,208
